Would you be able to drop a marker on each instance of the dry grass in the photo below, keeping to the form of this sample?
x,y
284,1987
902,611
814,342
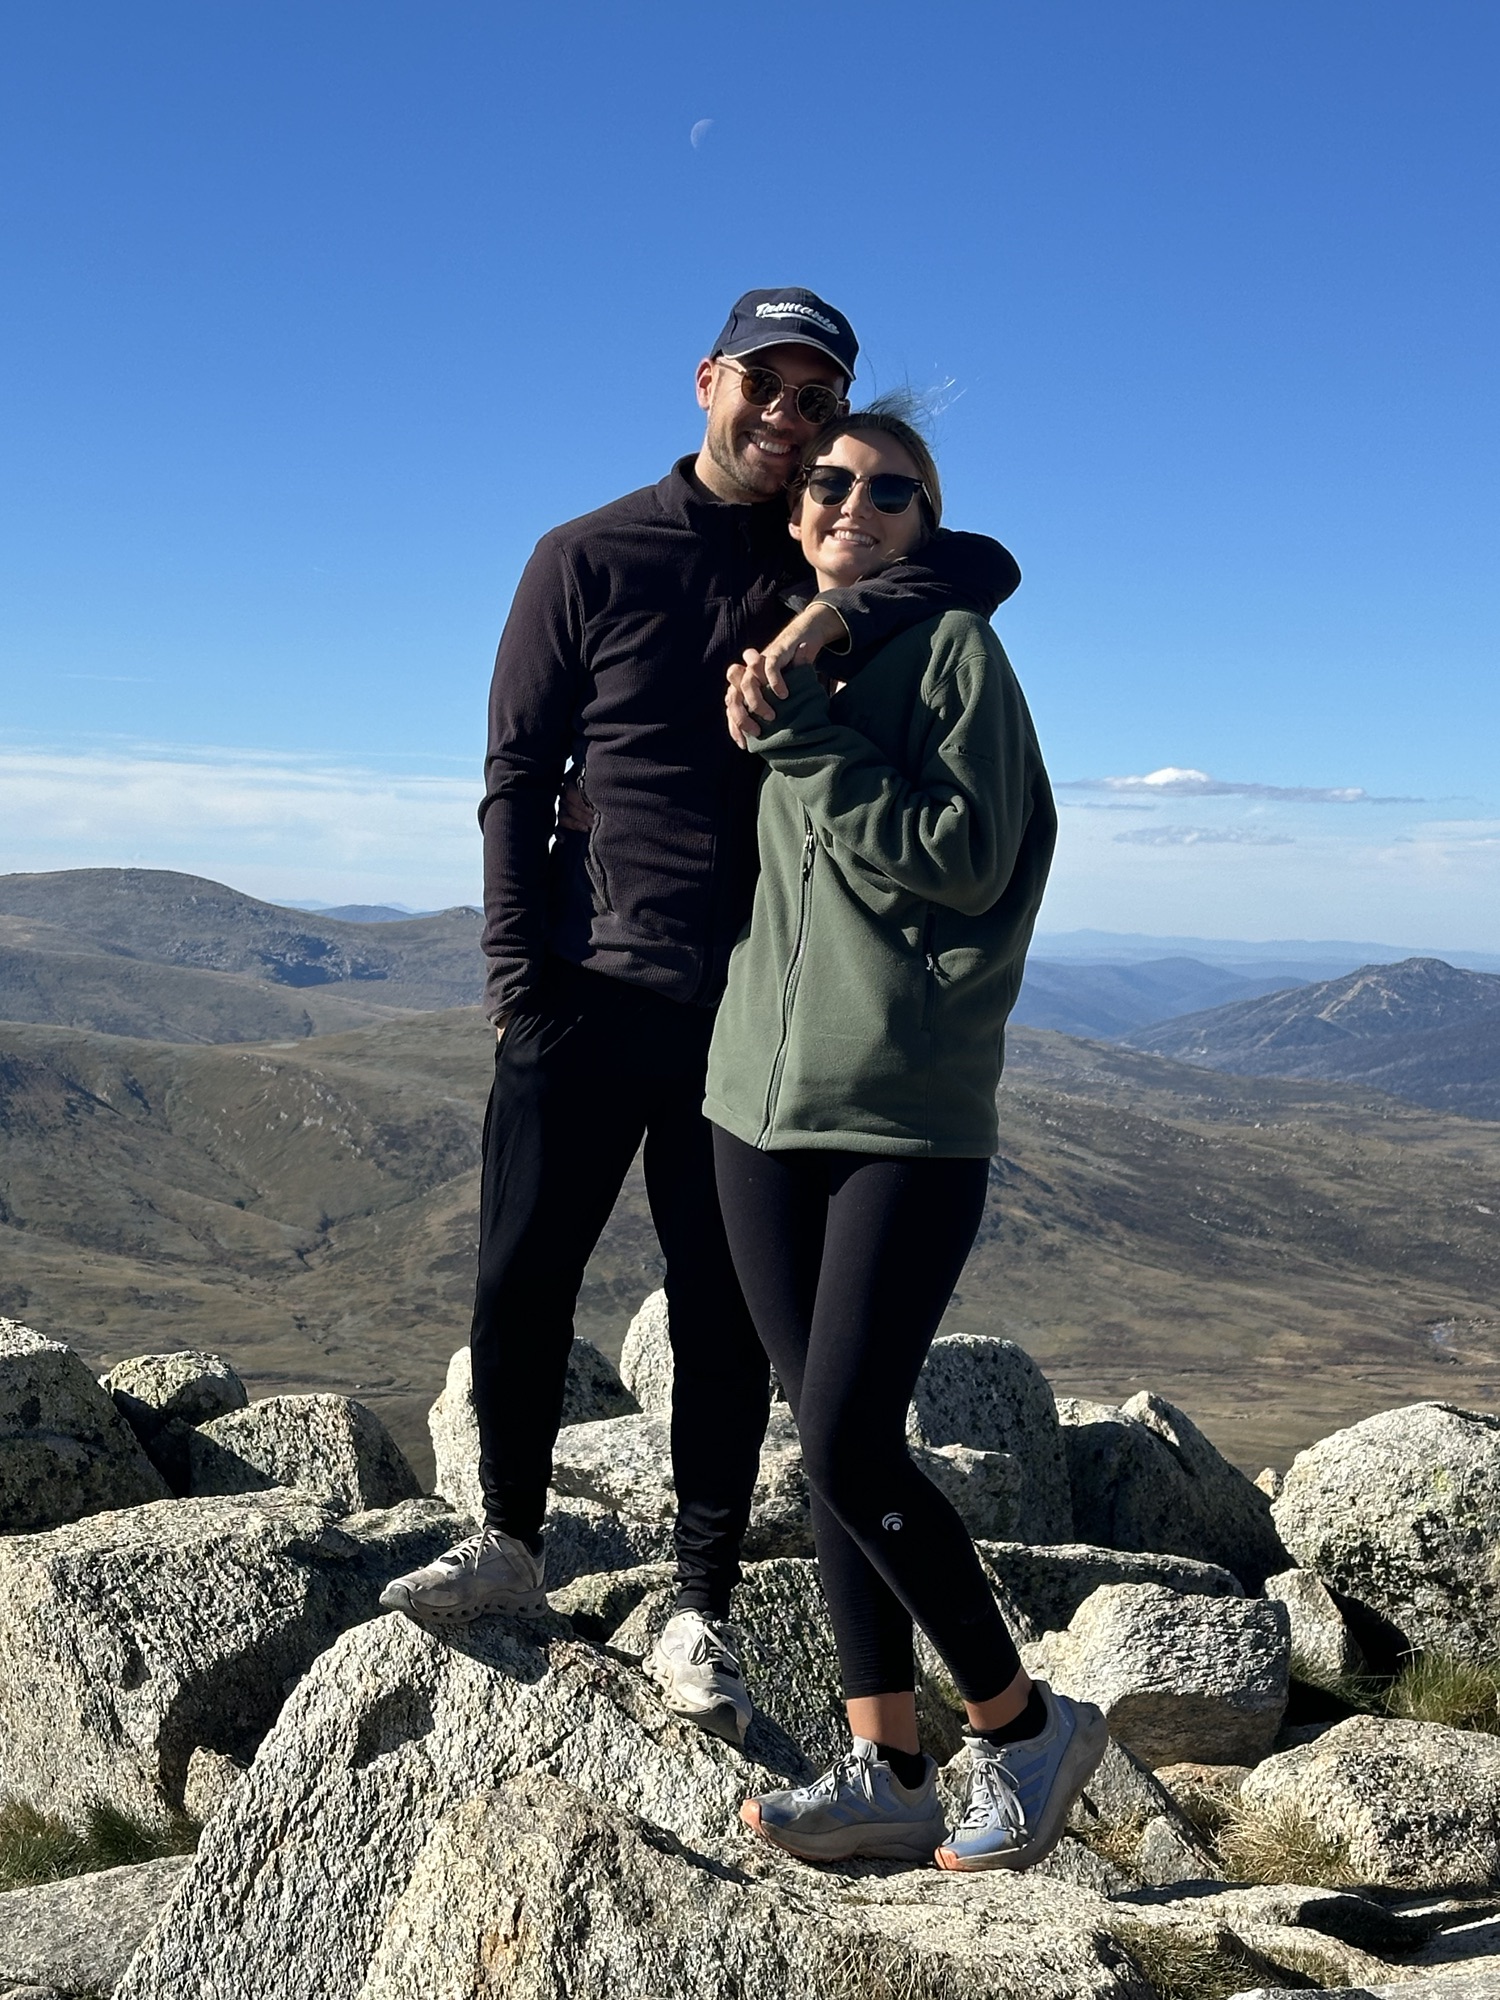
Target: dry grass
x,y
1278,1844
40,1847
1432,1687
1182,1964
1361,1693
1207,1810
1115,1841
869,1968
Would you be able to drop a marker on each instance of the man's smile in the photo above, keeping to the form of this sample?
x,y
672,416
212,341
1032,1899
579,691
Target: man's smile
x,y
768,442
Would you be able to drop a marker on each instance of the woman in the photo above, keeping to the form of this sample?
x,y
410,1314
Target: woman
x,y
906,826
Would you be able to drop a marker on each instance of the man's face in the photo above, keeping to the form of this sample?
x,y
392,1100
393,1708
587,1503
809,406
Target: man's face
x,y
749,451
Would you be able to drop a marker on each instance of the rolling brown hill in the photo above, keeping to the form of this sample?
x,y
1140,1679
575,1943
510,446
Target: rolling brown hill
x,y
1278,1257
169,957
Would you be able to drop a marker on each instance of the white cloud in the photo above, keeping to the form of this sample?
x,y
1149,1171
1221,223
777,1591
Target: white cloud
x,y
1103,806
1198,836
1176,781
325,828
1267,867
340,830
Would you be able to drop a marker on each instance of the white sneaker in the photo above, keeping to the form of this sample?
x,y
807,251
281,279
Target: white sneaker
x,y
1020,1794
487,1572
696,1670
859,1808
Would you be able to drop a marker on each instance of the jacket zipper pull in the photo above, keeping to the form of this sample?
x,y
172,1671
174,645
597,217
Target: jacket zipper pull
x,y
809,842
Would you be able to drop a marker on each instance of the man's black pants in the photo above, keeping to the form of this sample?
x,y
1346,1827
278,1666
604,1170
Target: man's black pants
x,y
588,1067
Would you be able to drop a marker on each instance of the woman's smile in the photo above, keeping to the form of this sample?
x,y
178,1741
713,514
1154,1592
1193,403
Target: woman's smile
x,y
851,538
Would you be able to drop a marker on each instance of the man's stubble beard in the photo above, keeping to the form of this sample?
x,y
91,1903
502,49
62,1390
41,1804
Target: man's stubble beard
x,y
721,451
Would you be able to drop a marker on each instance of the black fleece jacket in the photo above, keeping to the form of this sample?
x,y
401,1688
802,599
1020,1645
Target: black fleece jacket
x,y
613,658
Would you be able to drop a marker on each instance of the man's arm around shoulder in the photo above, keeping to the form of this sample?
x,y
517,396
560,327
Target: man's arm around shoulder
x,y
950,572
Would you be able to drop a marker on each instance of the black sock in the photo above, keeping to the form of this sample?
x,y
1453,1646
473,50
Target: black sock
x,y
1030,1722
909,1766
692,1601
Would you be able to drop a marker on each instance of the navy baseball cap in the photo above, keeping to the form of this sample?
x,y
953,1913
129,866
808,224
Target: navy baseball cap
x,y
786,314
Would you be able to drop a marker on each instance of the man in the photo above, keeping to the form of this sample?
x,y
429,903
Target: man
x,y
608,951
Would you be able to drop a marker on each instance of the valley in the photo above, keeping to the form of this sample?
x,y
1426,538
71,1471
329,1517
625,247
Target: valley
x,y
1279,1257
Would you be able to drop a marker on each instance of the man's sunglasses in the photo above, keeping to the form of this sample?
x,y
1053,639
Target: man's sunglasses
x,y
890,492
815,403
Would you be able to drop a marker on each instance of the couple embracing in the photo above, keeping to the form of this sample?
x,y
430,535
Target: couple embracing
x,y
775,937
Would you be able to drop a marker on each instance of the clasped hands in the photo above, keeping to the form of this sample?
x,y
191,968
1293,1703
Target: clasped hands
x,y
759,672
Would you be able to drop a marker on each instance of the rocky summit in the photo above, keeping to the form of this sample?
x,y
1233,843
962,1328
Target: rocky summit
x,y
1302,1791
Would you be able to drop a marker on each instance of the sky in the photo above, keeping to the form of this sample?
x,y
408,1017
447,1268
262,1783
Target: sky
x,y
316,315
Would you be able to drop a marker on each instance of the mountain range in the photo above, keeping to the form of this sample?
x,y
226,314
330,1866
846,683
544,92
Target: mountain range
x,y
1295,958
228,1124
1110,1000
1421,1029
170,957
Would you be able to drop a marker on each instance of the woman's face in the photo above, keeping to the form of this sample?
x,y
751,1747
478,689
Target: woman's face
x,y
852,539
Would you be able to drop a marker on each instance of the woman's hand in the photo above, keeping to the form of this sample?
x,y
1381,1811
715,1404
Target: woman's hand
x,y
797,644
744,698
574,813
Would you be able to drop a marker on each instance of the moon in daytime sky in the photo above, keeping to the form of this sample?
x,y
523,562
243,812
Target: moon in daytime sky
x,y
699,132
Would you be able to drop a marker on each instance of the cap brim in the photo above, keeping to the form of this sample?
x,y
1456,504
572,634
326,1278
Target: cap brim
x,y
789,340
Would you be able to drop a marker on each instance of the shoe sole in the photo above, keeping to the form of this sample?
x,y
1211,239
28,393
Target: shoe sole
x,y
723,1719
863,1844
422,1614
1080,1761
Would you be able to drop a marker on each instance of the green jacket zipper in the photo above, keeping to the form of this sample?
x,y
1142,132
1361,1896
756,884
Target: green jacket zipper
x,y
934,972
789,986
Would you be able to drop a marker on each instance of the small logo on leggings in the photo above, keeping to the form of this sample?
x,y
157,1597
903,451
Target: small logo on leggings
x,y
892,1523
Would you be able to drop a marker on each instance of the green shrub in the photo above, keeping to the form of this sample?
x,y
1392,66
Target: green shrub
x,y
41,1847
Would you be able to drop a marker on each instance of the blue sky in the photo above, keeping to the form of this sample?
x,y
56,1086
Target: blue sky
x,y
317,314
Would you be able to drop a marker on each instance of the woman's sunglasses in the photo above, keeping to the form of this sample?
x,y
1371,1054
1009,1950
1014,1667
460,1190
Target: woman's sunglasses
x,y
814,402
890,492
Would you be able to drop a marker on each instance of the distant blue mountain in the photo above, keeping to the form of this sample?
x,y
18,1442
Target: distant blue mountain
x,y
1300,960
1107,1001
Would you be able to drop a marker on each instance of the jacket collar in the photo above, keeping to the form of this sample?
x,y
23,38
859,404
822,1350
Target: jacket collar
x,y
684,498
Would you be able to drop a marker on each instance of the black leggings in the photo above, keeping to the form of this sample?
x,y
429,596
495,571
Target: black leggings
x,y
846,1261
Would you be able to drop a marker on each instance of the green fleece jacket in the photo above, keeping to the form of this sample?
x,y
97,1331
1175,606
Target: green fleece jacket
x,y
906,828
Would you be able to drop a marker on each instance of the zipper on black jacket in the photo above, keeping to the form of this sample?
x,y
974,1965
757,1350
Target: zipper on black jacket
x,y
593,866
793,973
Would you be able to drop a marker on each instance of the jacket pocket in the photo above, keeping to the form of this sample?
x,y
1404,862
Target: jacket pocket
x,y
592,860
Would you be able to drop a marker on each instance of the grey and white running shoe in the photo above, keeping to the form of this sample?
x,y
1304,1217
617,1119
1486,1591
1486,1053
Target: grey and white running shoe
x,y
858,1808
1020,1794
696,1670
484,1573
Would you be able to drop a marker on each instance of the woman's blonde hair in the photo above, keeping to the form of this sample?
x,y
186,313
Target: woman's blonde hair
x,y
892,417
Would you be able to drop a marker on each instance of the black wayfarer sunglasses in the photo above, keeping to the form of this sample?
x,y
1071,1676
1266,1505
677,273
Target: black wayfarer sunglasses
x,y
815,402
890,492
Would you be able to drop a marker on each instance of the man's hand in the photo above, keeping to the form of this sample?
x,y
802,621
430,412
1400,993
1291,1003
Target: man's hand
x,y
574,813
797,644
